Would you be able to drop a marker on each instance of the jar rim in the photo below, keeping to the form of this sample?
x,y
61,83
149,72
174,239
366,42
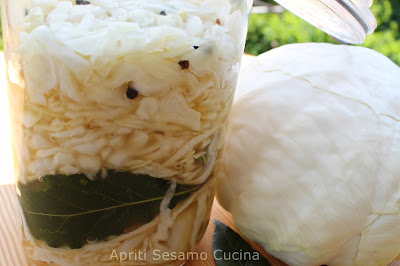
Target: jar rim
x,y
348,21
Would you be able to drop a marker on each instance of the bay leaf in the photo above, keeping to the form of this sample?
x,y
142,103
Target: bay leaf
x,y
72,210
230,249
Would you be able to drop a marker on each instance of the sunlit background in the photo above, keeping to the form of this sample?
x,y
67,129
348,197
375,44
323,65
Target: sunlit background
x,y
270,26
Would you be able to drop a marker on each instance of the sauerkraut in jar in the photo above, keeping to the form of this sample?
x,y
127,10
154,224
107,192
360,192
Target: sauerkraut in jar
x,y
118,112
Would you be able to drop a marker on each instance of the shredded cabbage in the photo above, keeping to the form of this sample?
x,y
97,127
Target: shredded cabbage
x,y
78,61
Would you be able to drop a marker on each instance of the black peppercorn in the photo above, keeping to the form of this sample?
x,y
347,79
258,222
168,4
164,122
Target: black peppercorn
x,y
131,93
163,13
82,2
184,64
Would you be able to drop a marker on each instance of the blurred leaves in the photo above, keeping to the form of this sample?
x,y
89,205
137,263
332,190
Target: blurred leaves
x,y
386,38
267,31
1,40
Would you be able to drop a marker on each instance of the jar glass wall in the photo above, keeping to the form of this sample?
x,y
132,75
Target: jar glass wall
x,y
118,112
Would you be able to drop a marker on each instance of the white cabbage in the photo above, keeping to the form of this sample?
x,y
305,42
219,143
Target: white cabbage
x,y
311,164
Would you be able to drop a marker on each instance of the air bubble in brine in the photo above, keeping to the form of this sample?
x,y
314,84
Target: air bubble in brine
x,y
91,239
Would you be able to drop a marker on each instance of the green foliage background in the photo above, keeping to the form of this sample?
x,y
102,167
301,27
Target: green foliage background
x,y
1,39
267,31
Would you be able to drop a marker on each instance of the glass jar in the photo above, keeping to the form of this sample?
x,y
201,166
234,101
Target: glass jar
x,y
118,112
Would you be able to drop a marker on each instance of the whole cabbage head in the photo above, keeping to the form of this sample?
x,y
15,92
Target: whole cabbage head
x,y
311,165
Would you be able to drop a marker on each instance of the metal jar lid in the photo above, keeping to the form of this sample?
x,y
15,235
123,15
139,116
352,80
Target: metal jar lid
x,y
346,20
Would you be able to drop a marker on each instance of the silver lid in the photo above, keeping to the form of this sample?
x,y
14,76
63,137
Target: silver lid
x,y
346,20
